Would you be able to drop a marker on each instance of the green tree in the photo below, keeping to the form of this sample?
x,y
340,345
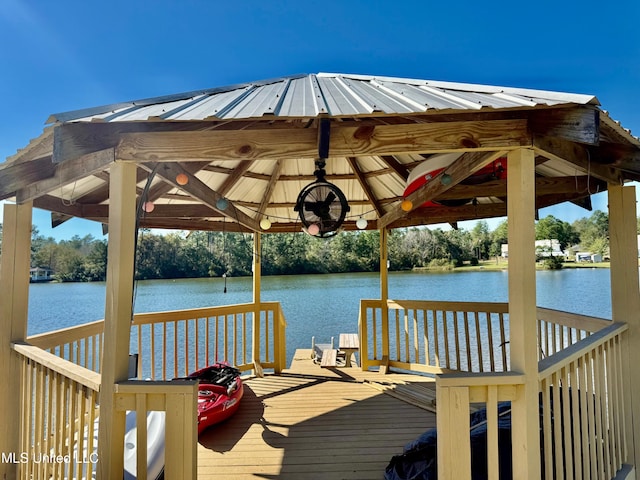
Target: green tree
x,y
550,228
96,262
499,237
593,230
481,240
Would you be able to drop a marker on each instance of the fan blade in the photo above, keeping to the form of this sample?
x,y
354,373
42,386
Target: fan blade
x,y
330,198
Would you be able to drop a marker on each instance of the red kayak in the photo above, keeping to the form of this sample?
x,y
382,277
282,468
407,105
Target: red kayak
x,y
438,163
219,393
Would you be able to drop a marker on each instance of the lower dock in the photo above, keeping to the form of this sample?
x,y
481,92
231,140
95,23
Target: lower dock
x,y
314,423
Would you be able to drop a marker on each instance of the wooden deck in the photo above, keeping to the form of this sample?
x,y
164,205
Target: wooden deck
x,y
313,422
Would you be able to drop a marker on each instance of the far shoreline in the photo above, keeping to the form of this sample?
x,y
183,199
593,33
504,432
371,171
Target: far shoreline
x,y
503,264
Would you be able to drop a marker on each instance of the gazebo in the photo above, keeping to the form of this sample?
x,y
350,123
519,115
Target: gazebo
x,y
238,157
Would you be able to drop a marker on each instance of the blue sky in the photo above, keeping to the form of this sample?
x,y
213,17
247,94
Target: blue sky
x,y
60,56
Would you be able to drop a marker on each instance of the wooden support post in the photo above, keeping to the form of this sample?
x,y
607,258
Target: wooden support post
x,y
255,331
118,316
14,303
522,312
625,303
384,294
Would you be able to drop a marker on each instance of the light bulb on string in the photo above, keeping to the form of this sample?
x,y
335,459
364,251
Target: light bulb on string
x,y
148,207
222,203
265,223
313,229
182,179
406,205
445,179
361,223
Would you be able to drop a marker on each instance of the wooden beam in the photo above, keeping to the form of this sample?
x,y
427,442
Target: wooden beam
x,y
434,215
457,171
266,196
235,175
396,166
574,124
15,176
201,192
67,172
575,155
345,141
544,186
365,186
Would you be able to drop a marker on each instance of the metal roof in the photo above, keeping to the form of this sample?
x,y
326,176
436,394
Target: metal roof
x,y
337,95
255,144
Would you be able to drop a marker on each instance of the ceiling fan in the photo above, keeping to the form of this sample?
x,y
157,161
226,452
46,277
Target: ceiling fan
x,y
321,205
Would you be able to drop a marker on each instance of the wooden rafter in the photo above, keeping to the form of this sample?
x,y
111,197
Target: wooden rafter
x,y
201,192
235,175
396,166
266,197
365,186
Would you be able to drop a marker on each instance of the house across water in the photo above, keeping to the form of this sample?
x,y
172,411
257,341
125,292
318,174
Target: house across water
x,y
39,274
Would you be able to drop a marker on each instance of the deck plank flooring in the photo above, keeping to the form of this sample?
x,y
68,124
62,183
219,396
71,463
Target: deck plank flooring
x,y
309,423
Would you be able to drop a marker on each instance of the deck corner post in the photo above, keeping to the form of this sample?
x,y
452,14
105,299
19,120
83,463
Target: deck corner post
x,y
384,290
522,311
257,277
118,316
14,303
625,303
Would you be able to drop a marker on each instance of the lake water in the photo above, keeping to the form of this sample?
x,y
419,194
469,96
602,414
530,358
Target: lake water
x,y
320,305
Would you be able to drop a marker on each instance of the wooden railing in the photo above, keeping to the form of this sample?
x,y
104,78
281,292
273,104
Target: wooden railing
x,y
437,337
582,412
59,402
81,344
558,330
583,407
59,414
434,337
175,343
455,393
179,402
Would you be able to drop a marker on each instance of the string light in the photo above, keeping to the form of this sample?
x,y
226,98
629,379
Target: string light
x,y
406,205
148,207
313,229
182,179
222,203
361,223
265,223
445,179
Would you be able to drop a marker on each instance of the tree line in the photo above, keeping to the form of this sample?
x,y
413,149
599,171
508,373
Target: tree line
x,y
213,254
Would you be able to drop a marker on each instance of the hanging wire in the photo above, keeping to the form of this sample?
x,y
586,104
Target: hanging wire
x,y
140,212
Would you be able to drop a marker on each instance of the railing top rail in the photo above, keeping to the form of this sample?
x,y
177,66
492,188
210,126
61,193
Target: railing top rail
x,y
155,386
59,365
572,320
495,307
552,363
469,379
61,336
171,315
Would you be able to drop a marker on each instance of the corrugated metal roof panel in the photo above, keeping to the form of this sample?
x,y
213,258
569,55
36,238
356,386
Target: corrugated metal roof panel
x,y
307,96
